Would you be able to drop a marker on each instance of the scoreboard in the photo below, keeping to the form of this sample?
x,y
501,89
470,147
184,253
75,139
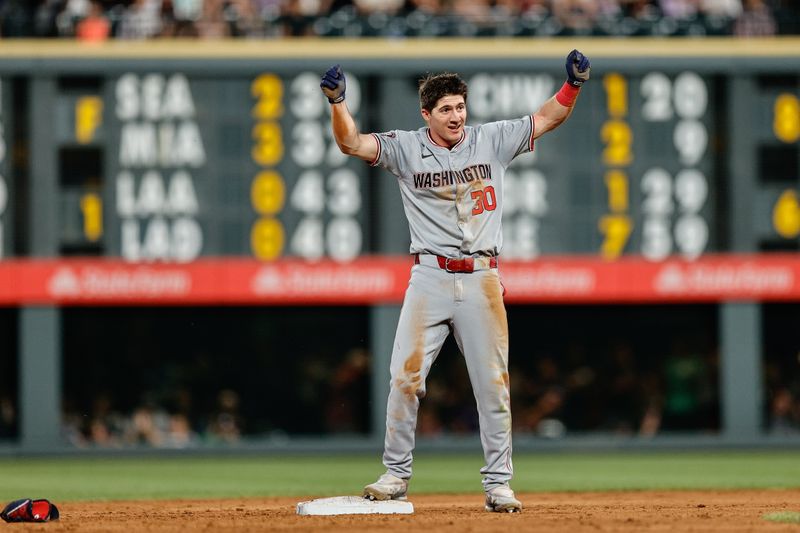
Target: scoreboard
x,y
247,165
173,157
240,166
627,174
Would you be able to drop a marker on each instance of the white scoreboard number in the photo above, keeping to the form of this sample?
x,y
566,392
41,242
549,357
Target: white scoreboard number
x,y
683,195
525,195
325,185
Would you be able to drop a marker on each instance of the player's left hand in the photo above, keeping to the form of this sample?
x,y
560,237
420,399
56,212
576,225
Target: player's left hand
x,y
578,68
333,84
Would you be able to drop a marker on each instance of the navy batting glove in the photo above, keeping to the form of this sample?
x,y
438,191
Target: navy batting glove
x,y
577,68
333,84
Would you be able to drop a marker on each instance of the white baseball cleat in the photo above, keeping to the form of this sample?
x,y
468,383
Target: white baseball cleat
x,y
388,487
501,500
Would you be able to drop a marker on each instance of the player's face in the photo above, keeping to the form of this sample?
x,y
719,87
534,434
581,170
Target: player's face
x,y
447,118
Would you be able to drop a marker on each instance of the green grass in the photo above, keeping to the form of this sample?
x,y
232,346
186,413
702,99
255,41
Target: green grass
x,y
788,517
207,477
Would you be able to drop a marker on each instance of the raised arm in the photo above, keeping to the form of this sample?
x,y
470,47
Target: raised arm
x,y
556,109
349,140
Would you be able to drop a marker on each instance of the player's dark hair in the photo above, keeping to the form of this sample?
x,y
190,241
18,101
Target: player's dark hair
x,y
434,86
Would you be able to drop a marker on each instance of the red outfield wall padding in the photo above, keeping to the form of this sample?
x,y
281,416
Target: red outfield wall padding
x,y
377,280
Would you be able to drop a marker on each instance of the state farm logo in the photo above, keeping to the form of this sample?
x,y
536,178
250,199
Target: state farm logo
x,y
137,282
64,283
267,281
670,279
322,281
550,280
726,279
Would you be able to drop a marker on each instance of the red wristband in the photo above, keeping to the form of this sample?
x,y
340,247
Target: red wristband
x,y
567,94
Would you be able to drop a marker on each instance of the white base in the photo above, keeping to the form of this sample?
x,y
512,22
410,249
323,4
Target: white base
x,y
353,505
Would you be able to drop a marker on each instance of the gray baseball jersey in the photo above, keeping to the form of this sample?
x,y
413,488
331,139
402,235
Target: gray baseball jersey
x,y
453,202
453,198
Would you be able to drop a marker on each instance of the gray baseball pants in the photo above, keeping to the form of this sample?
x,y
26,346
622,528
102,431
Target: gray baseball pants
x,y
471,306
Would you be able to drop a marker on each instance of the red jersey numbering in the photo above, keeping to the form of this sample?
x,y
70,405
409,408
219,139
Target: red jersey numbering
x,y
485,200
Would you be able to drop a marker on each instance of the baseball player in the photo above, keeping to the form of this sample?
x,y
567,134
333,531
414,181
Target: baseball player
x,y
451,182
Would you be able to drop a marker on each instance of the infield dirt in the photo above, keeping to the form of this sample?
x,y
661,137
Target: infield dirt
x,y
641,511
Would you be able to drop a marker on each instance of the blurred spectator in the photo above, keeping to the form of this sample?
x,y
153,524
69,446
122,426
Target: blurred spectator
x,y
179,17
542,396
583,408
631,9
429,417
719,15
379,6
8,418
45,18
782,383
756,20
179,432
721,8
211,23
487,18
226,421
679,9
787,14
76,9
653,405
95,26
429,7
429,424
141,20
16,18
72,430
241,18
475,11
457,407
149,425
449,404
298,17
311,388
106,425
784,416
577,17
623,396
345,409
689,400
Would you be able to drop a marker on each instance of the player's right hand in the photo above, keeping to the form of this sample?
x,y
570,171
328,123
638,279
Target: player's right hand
x,y
577,68
333,84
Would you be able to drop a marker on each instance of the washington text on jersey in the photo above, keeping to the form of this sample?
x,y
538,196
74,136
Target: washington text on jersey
x,y
426,180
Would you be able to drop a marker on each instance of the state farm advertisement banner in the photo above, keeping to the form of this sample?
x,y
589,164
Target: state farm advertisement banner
x,y
710,279
203,282
378,280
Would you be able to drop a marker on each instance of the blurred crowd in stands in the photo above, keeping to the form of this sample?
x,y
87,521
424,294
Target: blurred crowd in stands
x,y
573,374
612,391
155,422
553,396
142,19
580,390
329,397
